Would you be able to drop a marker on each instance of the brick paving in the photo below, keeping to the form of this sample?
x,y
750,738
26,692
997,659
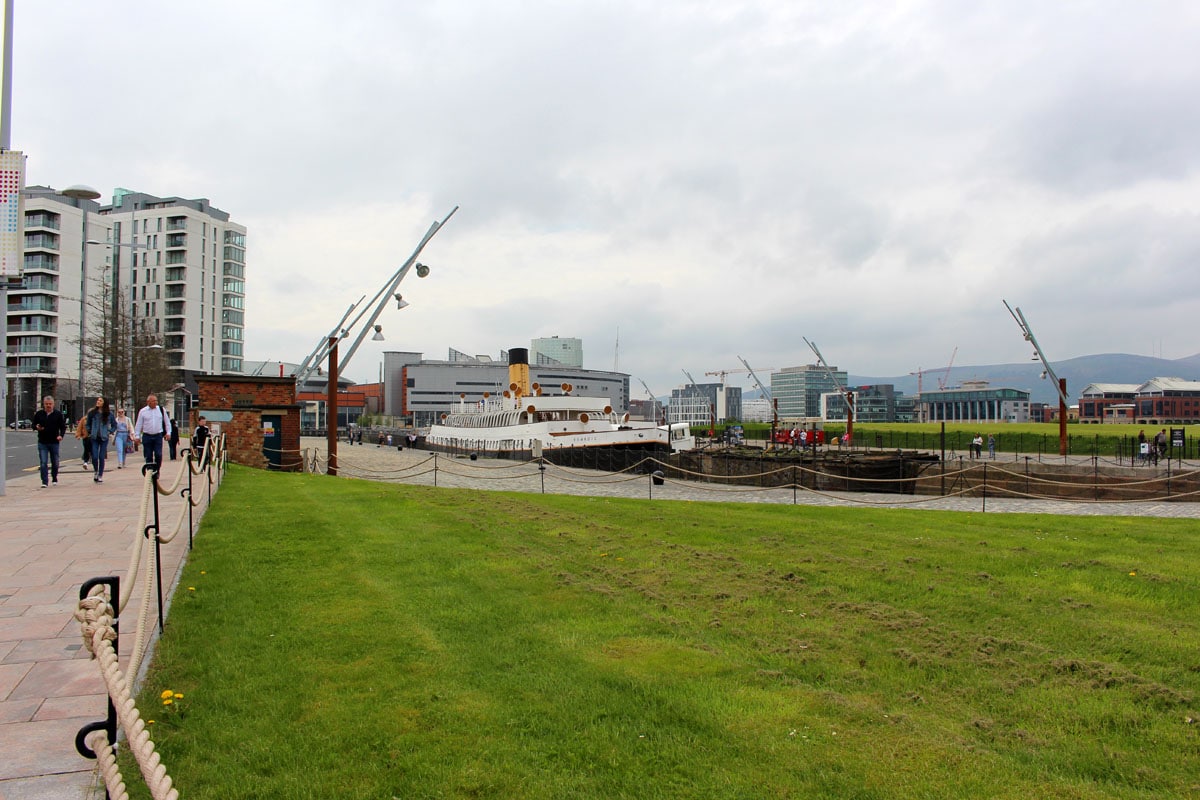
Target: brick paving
x,y
51,541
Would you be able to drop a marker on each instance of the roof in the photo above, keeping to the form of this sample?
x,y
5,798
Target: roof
x,y
1158,385
1094,389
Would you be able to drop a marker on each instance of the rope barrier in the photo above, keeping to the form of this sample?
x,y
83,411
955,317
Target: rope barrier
x,y
97,615
801,478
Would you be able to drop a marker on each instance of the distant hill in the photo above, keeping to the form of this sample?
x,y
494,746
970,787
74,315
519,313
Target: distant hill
x,y
1079,372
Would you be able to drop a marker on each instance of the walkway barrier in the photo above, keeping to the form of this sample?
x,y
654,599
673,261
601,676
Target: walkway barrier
x,y
101,601
919,482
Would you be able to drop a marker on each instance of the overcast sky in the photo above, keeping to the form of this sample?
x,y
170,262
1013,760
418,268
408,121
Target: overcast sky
x,y
697,181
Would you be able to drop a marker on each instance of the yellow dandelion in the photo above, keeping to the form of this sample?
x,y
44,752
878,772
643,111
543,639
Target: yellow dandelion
x,y
191,588
202,572
167,693
604,555
168,701
178,696
1133,574
149,722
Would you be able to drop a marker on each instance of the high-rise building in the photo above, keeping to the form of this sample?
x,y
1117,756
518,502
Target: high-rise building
x,y
798,389
557,351
177,266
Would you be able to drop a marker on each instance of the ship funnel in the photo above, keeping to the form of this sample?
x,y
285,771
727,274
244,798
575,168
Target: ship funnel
x,y
518,370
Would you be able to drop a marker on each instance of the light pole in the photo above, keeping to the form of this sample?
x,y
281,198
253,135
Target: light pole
x,y
119,302
1059,383
328,346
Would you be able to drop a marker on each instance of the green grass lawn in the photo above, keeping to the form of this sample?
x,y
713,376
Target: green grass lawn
x,y
340,638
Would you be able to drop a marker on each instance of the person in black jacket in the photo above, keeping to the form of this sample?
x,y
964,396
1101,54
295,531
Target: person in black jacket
x,y
199,440
173,439
51,427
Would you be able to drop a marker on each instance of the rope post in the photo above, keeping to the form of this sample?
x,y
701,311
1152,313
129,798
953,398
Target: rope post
x,y
187,493
154,525
793,484
542,472
109,723
984,509
435,468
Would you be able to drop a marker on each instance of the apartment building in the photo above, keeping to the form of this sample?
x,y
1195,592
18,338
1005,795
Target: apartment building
x,y
177,265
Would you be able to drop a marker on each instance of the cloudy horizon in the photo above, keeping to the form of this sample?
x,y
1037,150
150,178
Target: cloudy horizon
x,y
696,181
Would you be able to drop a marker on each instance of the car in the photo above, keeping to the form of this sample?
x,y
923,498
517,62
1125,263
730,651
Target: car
x,y
18,424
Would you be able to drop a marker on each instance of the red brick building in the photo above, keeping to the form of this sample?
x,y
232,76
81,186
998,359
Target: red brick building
x,y
1098,402
259,417
1167,400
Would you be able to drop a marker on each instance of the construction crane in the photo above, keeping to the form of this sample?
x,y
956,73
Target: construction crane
x,y
653,400
766,393
945,379
849,395
712,409
721,373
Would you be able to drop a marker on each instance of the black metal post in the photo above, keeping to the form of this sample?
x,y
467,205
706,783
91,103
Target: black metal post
x,y
109,723
154,525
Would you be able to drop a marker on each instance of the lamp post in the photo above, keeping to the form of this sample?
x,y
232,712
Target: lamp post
x,y
328,346
118,301
1060,384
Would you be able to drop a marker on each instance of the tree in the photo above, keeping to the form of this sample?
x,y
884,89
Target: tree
x,y
120,351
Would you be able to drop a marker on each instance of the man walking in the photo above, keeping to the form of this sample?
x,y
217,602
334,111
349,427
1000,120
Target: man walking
x,y
51,427
151,428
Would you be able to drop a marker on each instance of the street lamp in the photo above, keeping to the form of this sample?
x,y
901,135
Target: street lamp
x,y
119,300
328,346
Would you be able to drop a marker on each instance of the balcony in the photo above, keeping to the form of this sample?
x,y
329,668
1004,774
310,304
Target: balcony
x,y
174,308
48,346
44,241
176,240
41,219
173,342
173,326
176,274
40,283
235,238
234,270
176,258
35,366
175,292
34,303
47,262
42,326
177,223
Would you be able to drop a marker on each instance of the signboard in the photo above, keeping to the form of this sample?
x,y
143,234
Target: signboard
x,y
1177,437
12,217
268,429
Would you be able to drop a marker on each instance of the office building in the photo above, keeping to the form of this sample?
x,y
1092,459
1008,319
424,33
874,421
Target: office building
x,y
176,265
420,390
557,351
975,401
798,390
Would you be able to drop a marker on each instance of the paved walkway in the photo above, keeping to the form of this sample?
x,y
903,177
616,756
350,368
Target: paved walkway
x,y
420,467
51,541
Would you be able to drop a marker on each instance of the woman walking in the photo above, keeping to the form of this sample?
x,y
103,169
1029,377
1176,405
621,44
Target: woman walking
x,y
123,429
101,423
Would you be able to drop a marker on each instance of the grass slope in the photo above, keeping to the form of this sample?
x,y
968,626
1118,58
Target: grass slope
x,y
336,638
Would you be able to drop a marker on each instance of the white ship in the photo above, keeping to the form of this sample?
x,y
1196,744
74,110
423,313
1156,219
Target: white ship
x,y
525,421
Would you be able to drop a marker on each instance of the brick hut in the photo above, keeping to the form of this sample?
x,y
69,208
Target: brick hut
x,y
258,415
